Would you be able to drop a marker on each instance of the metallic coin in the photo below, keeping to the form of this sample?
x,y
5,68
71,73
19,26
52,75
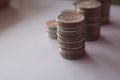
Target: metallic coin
x,y
70,17
51,31
54,36
89,4
72,56
51,24
67,11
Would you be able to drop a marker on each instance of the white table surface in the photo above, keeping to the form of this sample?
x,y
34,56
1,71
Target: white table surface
x,y
27,54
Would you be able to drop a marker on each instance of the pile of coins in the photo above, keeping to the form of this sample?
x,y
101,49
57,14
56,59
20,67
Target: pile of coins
x,y
105,11
51,29
92,12
71,37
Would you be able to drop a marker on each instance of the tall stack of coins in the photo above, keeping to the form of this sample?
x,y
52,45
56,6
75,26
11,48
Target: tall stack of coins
x,y
51,28
105,11
92,12
71,38
4,3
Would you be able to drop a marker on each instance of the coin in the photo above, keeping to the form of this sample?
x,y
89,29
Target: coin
x,y
67,11
73,55
71,17
51,24
89,5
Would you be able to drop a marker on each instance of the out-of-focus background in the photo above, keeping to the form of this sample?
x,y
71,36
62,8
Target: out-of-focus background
x,y
116,2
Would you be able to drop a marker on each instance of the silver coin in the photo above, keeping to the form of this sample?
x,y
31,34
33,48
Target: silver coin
x,y
89,4
71,17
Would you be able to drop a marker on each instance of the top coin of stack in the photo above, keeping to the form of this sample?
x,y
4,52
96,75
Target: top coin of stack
x,y
105,10
92,12
51,28
4,3
71,38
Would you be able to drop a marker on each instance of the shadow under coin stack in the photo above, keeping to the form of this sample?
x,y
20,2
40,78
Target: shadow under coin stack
x,y
51,29
71,38
92,12
106,4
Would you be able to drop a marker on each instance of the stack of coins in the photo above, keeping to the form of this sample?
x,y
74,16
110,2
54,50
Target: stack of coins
x,y
71,37
51,29
92,12
105,11
4,3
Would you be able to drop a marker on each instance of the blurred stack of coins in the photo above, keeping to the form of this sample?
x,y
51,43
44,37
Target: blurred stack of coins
x,y
92,12
105,11
71,37
51,29
4,3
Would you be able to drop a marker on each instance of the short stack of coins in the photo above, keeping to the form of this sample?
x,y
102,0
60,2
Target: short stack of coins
x,y
92,12
51,29
106,4
71,37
